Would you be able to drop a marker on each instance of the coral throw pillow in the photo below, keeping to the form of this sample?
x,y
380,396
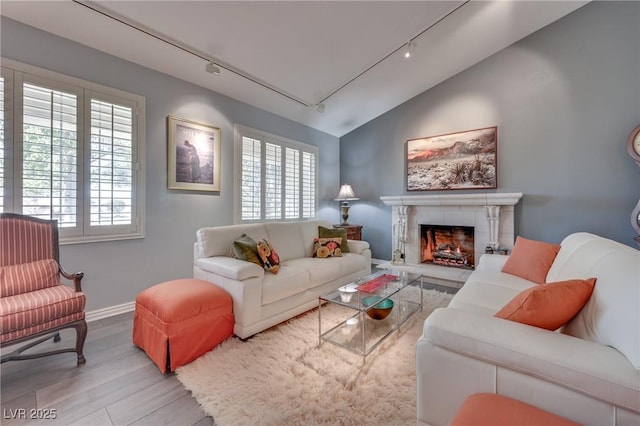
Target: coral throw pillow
x,y
327,247
268,256
531,259
549,306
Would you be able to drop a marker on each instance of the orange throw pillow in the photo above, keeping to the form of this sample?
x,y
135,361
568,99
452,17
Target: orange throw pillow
x,y
531,259
549,306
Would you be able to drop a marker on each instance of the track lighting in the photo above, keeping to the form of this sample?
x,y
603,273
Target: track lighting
x,y
409,49
212,69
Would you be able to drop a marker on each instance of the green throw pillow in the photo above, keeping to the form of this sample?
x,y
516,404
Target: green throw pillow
x,y
246,248
335,233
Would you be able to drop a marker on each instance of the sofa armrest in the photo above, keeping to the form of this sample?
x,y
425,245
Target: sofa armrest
x,y
491,262
229,267
357,246
588,367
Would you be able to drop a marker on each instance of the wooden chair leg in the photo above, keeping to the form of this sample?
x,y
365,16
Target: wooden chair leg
x,y
81,335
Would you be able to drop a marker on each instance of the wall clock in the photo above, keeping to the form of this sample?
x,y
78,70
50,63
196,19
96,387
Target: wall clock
x,y
633,144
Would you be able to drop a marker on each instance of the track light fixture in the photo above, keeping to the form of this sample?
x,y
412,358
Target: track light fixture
x,y
212,69
409,49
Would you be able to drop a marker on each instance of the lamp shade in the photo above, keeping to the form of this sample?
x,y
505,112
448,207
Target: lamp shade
x,y
346,193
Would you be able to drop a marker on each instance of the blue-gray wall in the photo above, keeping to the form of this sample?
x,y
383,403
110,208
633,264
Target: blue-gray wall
x,y
564,100
115,272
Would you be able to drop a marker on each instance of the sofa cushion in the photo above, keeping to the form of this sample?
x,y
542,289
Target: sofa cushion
x,y
612,314
26,277
309,231
488,291
549,306
292,279
246,248
327,247
531,259
285,237
218,240
324,232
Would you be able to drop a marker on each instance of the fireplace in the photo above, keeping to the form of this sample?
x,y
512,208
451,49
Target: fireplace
x,y
491,215
447,245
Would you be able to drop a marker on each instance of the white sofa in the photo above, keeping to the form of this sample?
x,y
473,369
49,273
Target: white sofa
x,y
262,299
588,372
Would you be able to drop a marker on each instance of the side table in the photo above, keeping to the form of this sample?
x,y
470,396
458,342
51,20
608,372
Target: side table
x,y
354,232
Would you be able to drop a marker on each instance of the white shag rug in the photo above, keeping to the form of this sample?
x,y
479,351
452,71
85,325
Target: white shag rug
x,y
282,377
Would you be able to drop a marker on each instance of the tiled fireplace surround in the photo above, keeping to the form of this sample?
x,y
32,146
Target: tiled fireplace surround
x,y
491,215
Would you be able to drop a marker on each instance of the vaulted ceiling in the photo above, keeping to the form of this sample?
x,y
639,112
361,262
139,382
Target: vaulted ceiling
x,y
331,65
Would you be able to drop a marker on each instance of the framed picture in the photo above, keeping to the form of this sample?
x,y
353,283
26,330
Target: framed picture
x,y
461,160
193,154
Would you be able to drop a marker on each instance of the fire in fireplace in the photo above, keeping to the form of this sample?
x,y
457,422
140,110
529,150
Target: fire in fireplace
x,y
447,245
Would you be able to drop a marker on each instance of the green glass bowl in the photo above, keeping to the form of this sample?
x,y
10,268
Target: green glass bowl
x,y
381,310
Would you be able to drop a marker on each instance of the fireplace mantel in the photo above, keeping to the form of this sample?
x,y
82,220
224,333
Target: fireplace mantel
x,y
490,199
491,215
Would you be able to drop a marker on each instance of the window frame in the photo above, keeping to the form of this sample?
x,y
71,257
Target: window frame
x,y
18,73
241,131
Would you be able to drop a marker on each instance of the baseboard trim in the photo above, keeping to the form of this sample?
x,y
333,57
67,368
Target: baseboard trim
x,y
110,311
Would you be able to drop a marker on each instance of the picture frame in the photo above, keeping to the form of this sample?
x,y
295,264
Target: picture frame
x,y
193,155
453,161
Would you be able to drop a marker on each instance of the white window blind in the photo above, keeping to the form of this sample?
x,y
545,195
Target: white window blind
x,y
308,184
78,156
2,144
277,178
111,164
49,154
292,184
273,181
251,179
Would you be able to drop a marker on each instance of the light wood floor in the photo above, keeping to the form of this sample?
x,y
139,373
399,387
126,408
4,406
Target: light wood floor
x,y
119,385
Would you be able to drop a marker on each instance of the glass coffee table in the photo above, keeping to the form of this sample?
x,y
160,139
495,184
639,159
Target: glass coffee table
x,y
374,308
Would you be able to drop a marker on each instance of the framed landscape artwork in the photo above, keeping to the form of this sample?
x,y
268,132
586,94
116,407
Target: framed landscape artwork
x,y
193,154
461,160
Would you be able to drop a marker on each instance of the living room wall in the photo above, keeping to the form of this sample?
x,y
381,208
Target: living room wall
x,y
115,272
564,100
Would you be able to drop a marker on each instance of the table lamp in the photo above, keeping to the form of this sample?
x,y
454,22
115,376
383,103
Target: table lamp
x,y
345,195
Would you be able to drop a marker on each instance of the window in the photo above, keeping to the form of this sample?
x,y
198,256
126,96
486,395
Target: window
x,y
277,176
75,154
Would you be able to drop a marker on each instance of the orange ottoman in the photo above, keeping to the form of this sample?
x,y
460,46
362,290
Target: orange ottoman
x,y
484,409
177,321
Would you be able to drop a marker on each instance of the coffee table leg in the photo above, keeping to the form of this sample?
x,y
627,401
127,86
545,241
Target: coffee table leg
x,y
319,323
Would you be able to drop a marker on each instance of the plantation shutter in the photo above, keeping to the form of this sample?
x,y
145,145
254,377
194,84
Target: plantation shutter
x,y
2,121
72,151
292,184
277,177
50,154
273,181
308,185
251,179
111,175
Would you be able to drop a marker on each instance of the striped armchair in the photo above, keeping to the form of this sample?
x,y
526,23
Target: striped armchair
x,y
34,304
